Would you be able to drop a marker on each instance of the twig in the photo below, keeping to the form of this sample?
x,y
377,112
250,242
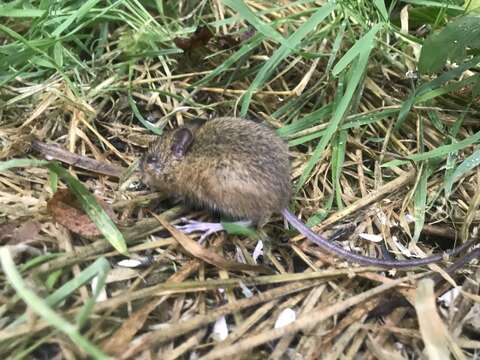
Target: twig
x,y
54,152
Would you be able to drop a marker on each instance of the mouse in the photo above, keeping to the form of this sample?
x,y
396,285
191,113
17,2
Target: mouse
x,y
241,169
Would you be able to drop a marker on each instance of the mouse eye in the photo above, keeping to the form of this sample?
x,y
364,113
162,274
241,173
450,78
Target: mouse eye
x,y
151,158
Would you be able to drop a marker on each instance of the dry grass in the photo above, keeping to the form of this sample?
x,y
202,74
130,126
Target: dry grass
x,y
112,75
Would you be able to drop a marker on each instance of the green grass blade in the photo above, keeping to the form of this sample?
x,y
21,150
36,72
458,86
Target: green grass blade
x,y
285,50
468,164
449,44
380,5
336,46
338,158
430,3
419,204
53,180
255,41
99,266
234,228
364,43
357,73
37,260
53,278
40,307
93,210
448,88
420,193
249,16
21,163
136,111
424,92
140,118
14,35
440,151
306,122
98,16
355,121
42,55
5,11
75,16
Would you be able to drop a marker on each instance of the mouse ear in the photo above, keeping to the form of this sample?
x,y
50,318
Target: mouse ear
x,y
196,123
182,139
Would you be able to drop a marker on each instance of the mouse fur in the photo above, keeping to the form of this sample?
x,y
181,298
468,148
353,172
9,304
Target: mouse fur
x,y
233,166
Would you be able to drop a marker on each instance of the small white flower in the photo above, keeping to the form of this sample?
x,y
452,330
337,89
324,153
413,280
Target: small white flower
x,y
286,317
220,329
258,251
130,263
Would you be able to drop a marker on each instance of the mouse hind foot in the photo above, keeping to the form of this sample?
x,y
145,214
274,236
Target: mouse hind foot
x,y
205,228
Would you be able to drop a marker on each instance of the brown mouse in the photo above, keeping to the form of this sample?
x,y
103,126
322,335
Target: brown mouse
x,y
241,169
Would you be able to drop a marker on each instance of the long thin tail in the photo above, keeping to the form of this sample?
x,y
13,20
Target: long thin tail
x,y
333,249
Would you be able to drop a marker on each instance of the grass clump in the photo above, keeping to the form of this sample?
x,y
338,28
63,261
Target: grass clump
x,y
374,143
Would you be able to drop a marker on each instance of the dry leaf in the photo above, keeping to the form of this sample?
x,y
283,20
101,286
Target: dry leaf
x,y
55,152
438,341
16,232
381,352
116,344
195,249
371,237
66,210
199,38
229,41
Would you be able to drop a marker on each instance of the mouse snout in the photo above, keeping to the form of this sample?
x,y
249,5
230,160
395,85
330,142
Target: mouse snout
x,y
151,163
154,168
150,159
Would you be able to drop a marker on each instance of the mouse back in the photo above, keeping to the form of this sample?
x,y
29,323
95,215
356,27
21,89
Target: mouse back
x,y
233,166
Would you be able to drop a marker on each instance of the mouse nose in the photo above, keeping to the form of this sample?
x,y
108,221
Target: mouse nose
x,y
146,162
151,158
151,164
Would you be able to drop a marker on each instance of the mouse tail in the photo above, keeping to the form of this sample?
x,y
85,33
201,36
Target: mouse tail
x,y
334,249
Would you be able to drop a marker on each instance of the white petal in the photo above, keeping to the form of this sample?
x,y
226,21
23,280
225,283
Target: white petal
x,y
449,296
257,251
130,263
409,218
371,237
286,317
402,248
220,329
103,294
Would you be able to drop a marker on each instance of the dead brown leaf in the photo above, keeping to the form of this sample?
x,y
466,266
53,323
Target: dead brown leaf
x,y
55,152
199,38
229,41
66,210
18,232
